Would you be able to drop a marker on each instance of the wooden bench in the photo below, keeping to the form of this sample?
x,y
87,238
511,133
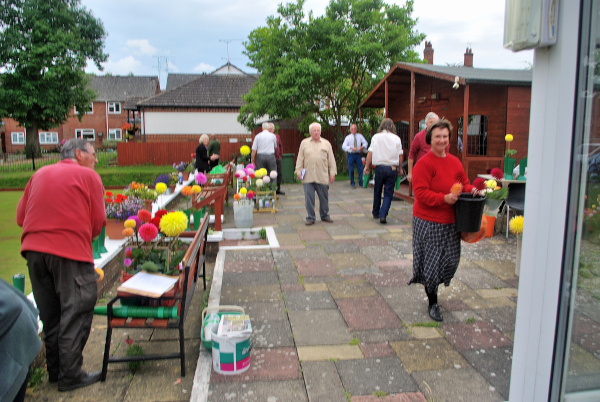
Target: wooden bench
x,y
181,296
215,195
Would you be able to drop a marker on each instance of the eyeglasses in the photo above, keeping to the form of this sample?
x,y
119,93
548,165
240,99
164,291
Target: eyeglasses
x,y
92,153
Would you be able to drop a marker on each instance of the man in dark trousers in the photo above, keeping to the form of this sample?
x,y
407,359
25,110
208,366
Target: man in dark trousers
x,y
278,159
61,211
214,148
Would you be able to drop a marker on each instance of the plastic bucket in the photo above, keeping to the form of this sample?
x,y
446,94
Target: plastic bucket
x,y
491,221
230,356
220,310
468,211
242,213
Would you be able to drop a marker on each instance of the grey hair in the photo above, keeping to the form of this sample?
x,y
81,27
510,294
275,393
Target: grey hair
x,y
68,150
272,126
203,138
313,125
266,125
388,125
431,115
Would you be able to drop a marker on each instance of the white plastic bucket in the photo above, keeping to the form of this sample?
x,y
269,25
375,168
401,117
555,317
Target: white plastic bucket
x,y
242,213
230,356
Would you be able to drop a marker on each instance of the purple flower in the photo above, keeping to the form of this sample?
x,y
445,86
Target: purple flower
x,y
137,220
127,262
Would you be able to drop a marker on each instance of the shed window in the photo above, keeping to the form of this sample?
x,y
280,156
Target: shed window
x,y
476,134
402,130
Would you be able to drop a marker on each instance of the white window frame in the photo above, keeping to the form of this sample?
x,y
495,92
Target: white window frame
x,y
44,137
112,134
84,133
90,112
20,136
114,106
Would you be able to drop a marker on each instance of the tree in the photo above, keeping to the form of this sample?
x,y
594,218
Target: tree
x,y
44,48
336,58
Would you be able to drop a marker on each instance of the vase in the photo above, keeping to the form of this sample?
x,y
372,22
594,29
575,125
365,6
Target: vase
x,y
114,229
492,206
198,215
509,166
491,221
522,168
186,176
188,213
148,205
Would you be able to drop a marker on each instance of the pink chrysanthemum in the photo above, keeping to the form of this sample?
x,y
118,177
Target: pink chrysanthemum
x,y
127,262
201,179
144,215
250,166
479,183
148,232
250,195
498,174
137,220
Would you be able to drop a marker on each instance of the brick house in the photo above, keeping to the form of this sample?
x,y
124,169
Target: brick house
x,y
113,107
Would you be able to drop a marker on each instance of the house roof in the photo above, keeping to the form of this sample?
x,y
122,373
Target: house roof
x,y
206,91
116,88
177,80
399,75
228,68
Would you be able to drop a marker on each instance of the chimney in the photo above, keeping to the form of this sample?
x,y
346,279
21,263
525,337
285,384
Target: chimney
x,y
468,58
428,53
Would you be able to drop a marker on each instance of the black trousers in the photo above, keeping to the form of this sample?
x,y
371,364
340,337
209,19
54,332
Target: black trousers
x,y
278,174
65,293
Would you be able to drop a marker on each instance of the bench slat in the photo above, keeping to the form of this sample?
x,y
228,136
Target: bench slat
x,y
137,322
160,323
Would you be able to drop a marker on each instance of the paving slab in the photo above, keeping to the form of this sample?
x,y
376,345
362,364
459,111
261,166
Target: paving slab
x,y
234,295
401,397
322,381
307,235
582,362
376,241
456,291
479,278
408,302
425,332
372,350
350,260
296,287
323,279
319,327
358,271
316,287
465,385
258,391
504,317
114,389
503,269
397,236
315,266
387,279
266,365
340,290
231,266
365,376
305,301
289,278
348,237
453,305
501,292
329,352
395,264
249,278
249,255
340,230
308,253
586,333
472,336
289,239
382,335
381,253
362,313
496,302
430,354
340,248
494,365
284,229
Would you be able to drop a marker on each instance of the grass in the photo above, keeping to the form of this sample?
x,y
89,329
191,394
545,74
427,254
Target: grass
x,y
426,324
36,377
470,320
379,394
354,341
10,239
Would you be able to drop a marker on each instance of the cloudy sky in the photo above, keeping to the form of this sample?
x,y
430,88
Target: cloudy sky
x,y
191,35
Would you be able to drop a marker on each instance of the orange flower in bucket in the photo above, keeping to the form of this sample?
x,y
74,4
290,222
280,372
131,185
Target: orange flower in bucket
x,y
456,189
236,197
187,191
127,232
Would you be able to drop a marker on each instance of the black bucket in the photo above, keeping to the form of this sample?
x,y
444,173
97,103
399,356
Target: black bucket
x,y
468,211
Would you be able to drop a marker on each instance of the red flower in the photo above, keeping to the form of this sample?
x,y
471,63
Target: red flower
x,y
129,341
497,173
108,201
148,232
479,183
160,213
109,194
156,221
245,178
145,216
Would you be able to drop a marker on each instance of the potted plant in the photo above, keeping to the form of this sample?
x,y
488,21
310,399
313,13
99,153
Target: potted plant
x,y
142,192
168,179
180,168
494,196
189,169
118,209
509,162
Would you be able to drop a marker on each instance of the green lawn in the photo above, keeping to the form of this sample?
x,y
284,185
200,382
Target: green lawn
x,y
10,239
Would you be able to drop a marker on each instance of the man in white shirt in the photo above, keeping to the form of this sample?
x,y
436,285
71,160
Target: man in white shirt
x,y
263,149
353,146
385,153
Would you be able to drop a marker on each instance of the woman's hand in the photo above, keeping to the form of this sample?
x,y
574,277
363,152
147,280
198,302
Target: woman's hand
x,y
450,199
475,192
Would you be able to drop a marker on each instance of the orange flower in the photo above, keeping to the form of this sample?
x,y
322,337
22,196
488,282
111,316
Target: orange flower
x,y
456,189
127,232
187,191
236,197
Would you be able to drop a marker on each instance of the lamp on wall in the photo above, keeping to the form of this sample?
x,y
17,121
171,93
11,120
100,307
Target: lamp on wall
x,y
100,134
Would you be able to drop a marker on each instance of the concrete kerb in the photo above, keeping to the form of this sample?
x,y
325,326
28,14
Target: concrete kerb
x,y
271,238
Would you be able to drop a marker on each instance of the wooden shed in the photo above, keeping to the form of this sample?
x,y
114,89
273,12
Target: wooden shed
x,y
494,102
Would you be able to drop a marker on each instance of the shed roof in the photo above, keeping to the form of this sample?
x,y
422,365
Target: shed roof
x,y
117,88
206,91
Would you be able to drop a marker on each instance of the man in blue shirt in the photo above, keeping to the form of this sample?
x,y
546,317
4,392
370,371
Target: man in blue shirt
x,y
353,146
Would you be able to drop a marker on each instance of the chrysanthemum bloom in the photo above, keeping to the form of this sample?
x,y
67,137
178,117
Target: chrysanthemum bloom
x,y
456,189
128,252
266,180
497,174
201,178
137,220
173,223
156,221
243,191
245,179
479,183
148,232
250,195
508,137
491,184
196,189
130,223
249,170
258,173
127,232
144,215
187,191
251,175
251,166
273,174
236,197
160,187
259,183
245,150
516,225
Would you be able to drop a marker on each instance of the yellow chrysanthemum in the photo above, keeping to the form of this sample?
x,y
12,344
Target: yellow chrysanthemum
x,y
160,187
491,184
129,223
516,225
173,223
243,191
196,189
508,138
245,150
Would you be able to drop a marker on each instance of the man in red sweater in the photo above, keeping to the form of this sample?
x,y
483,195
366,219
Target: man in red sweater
x,y
418,146
62,209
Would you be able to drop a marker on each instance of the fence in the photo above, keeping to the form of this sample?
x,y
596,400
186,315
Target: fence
x,y
10,163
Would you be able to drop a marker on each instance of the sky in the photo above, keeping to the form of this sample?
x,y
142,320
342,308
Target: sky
x,y
190,36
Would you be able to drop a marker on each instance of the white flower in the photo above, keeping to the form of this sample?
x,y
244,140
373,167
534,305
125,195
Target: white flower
x,y
273,174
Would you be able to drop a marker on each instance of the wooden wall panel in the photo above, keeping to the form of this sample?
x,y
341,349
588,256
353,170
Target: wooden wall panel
x,y
517,119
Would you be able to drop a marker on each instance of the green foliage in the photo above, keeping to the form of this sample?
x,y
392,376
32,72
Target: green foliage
x,y
36,377
431,324
134,350
379,394
262,233
499,194
510,152
44,48
354,341
150,266
470,320
336,58
109,144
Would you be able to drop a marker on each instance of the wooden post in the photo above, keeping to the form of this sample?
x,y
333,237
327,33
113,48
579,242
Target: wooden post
x,y
386,98
411,120
360,120
465,127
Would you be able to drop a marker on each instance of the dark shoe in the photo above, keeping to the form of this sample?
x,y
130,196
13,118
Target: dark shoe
x,y
353,186
328,220
84,380
382,220
435,313
279,192
307,222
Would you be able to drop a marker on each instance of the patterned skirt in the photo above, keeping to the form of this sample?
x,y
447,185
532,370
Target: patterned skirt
x,y
436,253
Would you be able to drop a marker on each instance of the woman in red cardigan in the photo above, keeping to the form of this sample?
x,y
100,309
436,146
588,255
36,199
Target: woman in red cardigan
x,y
436,243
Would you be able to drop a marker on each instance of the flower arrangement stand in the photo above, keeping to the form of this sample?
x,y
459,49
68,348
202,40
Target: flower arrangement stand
x,y
268,195
181,295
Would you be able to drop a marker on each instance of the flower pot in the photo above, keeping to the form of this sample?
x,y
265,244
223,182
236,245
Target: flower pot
x,y
186,176
188,213
114,229
242,214
171,189
509,166
102,248
468,211
148,205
